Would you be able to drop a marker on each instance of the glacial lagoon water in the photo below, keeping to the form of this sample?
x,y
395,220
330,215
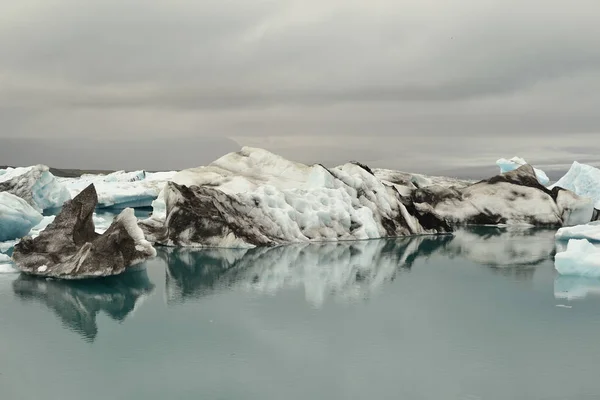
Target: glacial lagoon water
x,y
481,315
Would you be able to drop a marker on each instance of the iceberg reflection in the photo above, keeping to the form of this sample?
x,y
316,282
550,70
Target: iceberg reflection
x,y
348,270
575,287
77,303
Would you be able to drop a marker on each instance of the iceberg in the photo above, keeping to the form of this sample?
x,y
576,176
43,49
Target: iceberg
x,y
581,258
254,197
513,198
590,231
36,185
121,189
17,217
583,180
516,162
69,247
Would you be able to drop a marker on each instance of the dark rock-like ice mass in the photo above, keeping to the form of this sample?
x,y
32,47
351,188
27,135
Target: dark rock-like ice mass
x,y
70,249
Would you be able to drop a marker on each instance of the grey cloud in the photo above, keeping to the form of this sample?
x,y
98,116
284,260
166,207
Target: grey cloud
x,y
296,69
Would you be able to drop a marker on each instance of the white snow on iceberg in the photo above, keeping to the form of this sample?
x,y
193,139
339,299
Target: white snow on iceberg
x,y
581,258
583,180
516,162
121,189
36,185
590,231
16,217
254,197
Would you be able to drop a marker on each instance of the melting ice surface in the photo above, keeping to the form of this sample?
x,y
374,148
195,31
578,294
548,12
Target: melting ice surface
x,y
481,315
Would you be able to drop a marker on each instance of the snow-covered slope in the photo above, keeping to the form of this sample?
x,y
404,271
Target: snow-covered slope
x,y
517,162
36,185
582,179
254,197
16,217
121,189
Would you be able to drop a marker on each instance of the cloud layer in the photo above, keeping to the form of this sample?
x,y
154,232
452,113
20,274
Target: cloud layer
x,y
283,72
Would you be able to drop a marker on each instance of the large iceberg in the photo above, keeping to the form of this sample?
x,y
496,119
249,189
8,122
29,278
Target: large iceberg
x,y
581,258
36,185
517,162
582,179
122,189
17,217
254,197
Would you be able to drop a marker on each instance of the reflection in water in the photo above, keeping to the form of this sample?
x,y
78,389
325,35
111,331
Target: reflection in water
x,y
341,269
508,251
347,270
77,303
575,287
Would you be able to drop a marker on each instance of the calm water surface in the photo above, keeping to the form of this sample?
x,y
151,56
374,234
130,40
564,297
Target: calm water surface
x,y
481,315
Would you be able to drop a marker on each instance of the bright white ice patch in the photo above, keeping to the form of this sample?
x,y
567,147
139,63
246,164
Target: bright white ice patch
x,y
581,258
584,180
516,162
16,217
590,231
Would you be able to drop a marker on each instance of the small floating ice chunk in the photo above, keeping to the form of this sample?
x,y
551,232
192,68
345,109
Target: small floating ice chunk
x,y
589,231
581,258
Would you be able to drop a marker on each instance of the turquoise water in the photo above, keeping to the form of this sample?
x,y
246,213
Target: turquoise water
x,y
478,316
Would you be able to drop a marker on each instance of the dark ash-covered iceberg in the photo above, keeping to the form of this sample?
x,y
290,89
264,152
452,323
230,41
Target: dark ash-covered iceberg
x,y
69,248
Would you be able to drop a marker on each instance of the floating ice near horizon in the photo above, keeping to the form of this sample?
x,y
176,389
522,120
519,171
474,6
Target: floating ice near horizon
x,y
516,162
17,217
583,180
36,185
122,189
581,258
589,231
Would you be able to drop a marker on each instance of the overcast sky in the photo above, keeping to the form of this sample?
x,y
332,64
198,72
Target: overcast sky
x,y
403,83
